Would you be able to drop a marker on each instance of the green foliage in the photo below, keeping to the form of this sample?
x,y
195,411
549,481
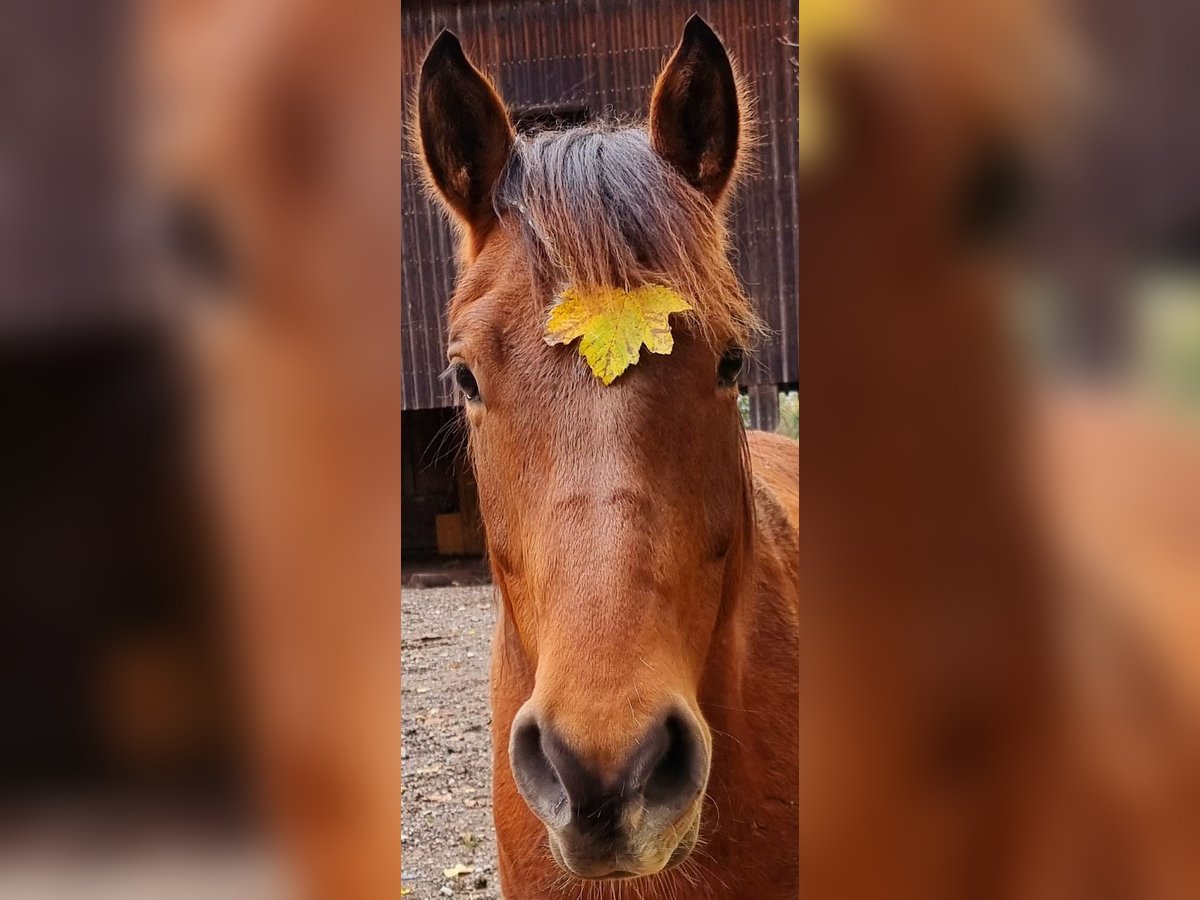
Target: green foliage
x,y
789,415
1168,337
1164,336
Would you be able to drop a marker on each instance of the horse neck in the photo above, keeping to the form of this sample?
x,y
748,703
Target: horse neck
x,y
750,674
911,457
924,605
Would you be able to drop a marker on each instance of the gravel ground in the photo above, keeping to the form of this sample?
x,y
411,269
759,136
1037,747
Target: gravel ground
x,y
447,785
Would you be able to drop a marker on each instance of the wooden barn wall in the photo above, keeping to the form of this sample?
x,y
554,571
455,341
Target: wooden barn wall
x,y
61,260
430,455
1141,183
604,56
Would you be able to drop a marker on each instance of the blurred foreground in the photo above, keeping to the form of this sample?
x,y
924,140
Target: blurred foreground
x,y
200,341
1000,453
199,272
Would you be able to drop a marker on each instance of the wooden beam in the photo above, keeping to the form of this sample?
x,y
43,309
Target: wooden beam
x,y
764,407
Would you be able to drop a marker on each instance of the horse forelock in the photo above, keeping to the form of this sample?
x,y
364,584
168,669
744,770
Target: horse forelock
x,y
595,206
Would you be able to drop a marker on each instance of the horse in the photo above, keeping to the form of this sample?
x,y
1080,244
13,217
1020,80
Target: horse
x,y
644,546
997,579
261,160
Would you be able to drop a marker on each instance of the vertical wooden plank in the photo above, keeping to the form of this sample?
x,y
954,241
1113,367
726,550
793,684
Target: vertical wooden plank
x,y
764,407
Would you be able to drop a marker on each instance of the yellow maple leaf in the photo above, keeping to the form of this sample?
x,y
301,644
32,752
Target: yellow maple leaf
x,y
826,27
614,324
827,21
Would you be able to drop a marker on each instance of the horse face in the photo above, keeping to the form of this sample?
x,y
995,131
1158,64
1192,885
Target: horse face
x,y
261,152
616,514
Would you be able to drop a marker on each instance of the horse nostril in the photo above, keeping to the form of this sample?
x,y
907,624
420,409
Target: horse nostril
x,y
674,769
536,777
665,774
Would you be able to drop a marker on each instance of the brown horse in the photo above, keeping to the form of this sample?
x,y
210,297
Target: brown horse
x,y
263,151
995,699
644,666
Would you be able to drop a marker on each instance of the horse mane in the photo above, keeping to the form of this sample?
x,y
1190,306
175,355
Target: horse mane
x,y
596,206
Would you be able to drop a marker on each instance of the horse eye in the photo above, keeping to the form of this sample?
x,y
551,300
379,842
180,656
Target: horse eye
x,y
466,382
730,366
996,193
195,242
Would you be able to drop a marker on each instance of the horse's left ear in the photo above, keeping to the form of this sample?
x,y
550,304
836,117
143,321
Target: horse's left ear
x,y
695,119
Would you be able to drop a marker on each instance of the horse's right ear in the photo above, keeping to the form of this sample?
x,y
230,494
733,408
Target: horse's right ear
x,y
465,132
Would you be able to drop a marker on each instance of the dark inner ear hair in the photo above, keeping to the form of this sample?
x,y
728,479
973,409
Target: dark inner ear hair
x,y
995,195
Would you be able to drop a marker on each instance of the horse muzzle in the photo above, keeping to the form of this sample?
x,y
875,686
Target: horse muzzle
x,y
604,860
640,821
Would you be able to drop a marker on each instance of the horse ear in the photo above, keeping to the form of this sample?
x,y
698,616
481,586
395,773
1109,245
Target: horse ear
x,y
695,119
465,132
